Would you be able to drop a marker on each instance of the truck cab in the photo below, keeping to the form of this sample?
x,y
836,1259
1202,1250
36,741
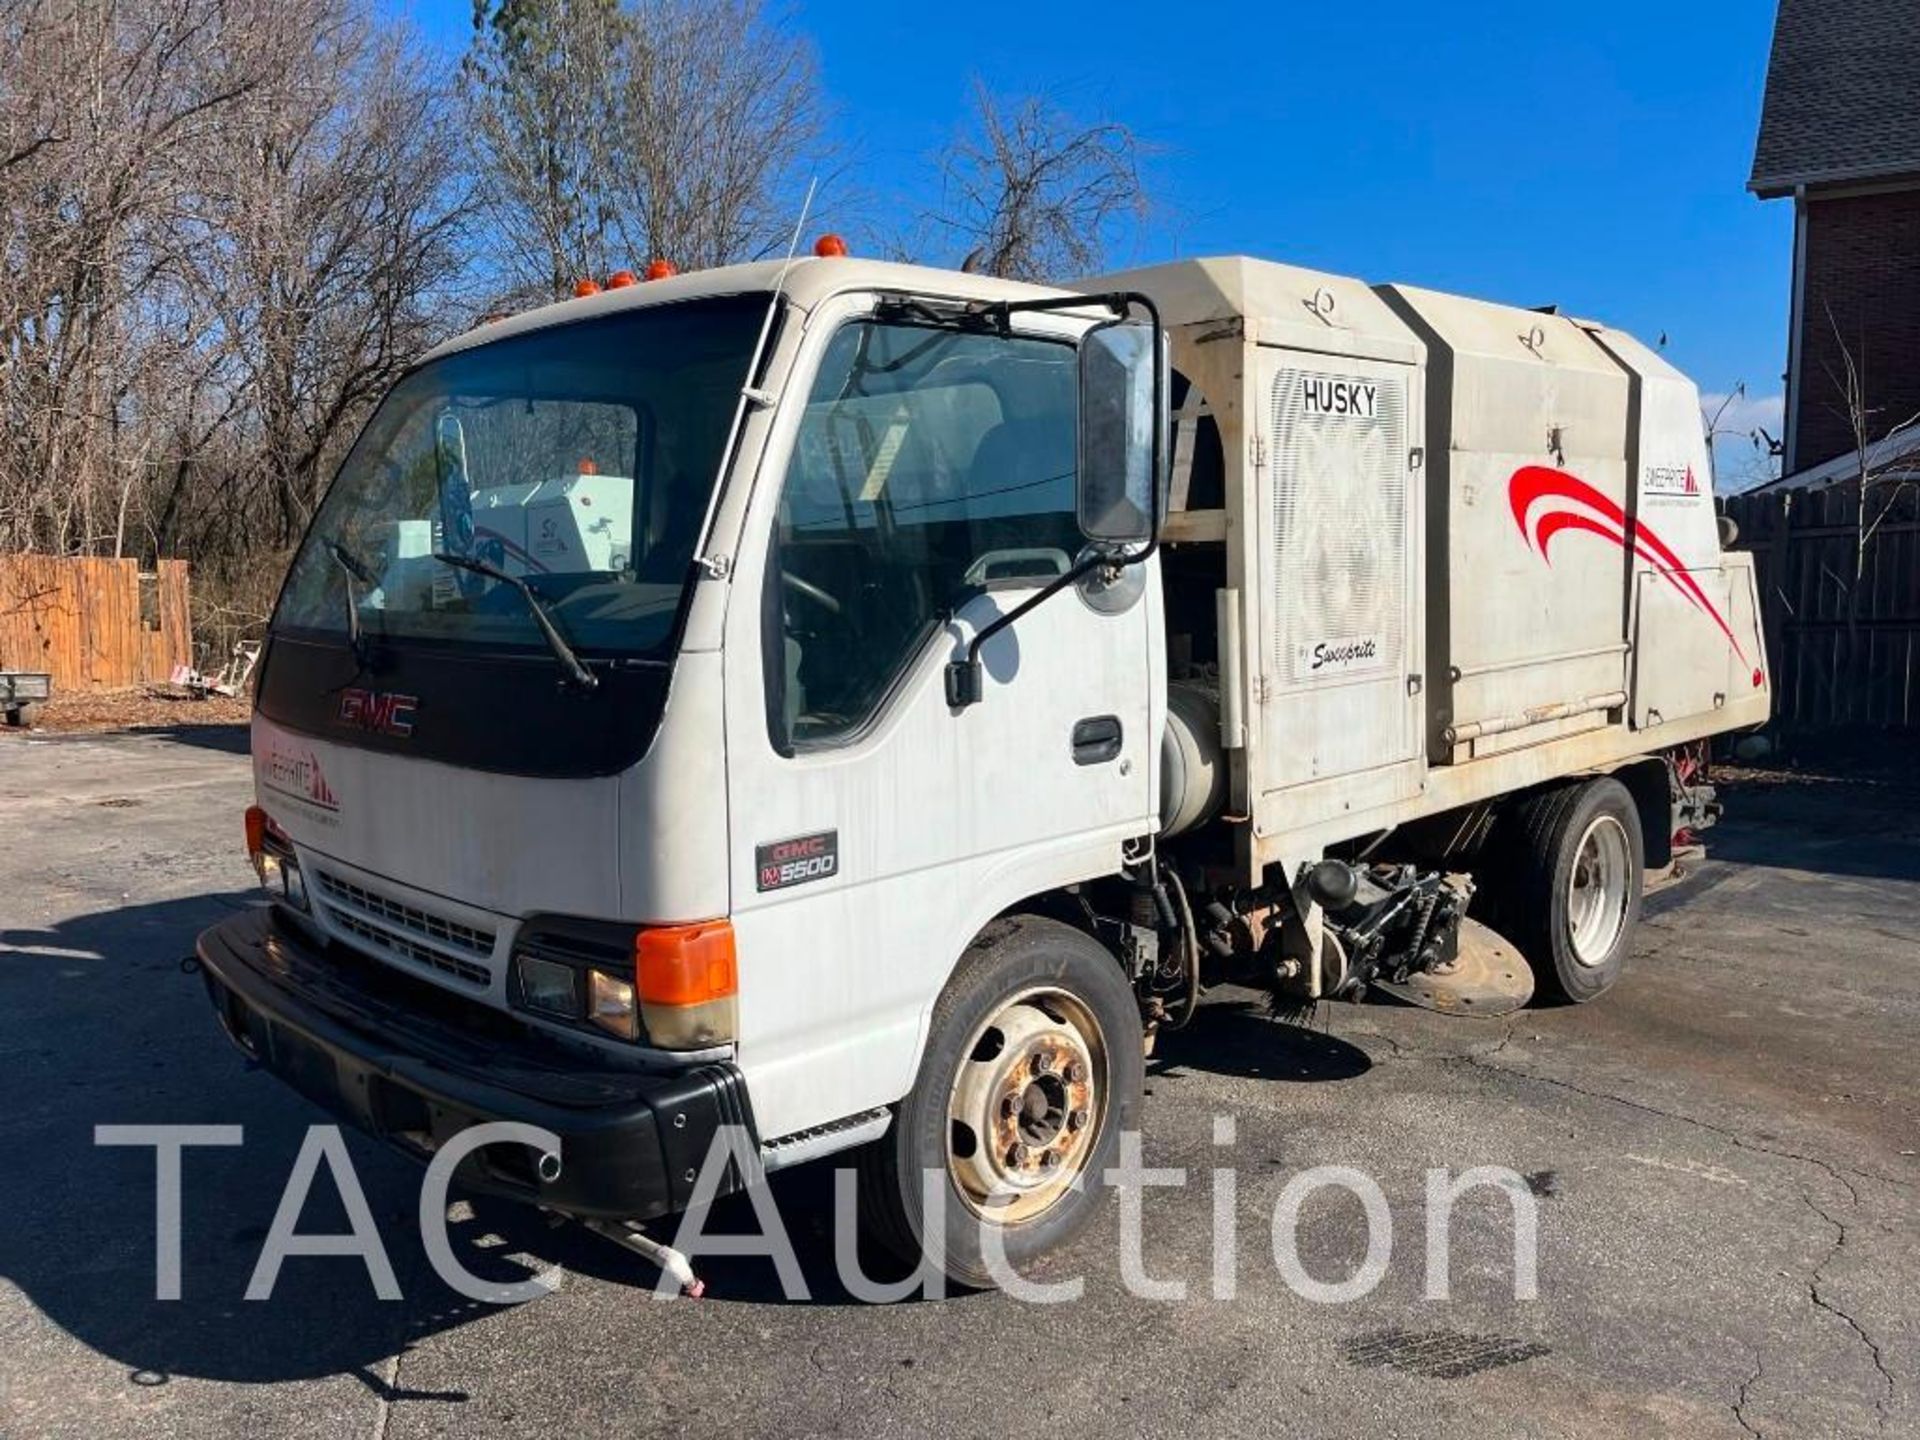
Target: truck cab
x,y
717,866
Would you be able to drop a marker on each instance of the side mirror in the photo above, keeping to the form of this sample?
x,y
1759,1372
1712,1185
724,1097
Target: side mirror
x,y
1122,432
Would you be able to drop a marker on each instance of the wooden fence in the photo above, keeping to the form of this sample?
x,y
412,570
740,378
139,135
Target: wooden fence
x,y
1844,644
94,624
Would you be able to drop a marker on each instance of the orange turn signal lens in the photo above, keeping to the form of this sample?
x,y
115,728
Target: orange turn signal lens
x,y
662,270
584,288
830,247
620,279
257,823
685,964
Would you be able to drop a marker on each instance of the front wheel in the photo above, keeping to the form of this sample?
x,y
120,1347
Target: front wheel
x,y
1033,1067
1570,897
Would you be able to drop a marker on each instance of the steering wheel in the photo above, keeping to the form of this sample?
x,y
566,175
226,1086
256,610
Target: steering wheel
x,y
812,592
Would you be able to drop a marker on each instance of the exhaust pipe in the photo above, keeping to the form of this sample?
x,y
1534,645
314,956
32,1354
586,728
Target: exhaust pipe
x,y
547,1167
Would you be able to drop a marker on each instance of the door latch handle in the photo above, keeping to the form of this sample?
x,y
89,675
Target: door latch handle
x,y
1096,740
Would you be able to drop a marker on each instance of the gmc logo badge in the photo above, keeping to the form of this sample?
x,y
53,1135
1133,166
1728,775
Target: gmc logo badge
x,y
794,862
380,712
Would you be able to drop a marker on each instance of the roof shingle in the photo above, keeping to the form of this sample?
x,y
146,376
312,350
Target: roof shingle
x,y
1843,94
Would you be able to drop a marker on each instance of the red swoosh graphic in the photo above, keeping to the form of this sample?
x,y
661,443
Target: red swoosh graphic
x,y
1606,519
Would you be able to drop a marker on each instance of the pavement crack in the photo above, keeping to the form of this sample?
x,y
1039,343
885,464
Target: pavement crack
x,y
1819,1297
383,1397
1816,1294
845,1391
1725,1132
1400,1052
1740,1400
1505,1040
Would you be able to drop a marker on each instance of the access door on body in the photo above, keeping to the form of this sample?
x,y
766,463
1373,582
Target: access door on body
x,y
1339,521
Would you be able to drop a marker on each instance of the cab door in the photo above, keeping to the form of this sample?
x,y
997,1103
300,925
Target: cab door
x,y
925,486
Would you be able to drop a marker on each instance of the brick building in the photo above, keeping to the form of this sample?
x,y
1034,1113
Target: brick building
x,y
1840,137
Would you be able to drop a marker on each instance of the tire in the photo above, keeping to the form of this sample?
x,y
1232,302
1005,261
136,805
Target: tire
x,y
1031,999
1569,887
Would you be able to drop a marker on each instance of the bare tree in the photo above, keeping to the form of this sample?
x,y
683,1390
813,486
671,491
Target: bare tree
x,y
1883,467
1885,459
611,133
333,241
542,106
722,124
1761,461
225,224
106,109
1033,194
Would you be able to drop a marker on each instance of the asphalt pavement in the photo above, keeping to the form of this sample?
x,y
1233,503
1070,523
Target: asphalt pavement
x,y
1720,1154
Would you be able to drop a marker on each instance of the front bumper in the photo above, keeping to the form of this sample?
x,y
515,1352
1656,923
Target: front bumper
x,y
415,1065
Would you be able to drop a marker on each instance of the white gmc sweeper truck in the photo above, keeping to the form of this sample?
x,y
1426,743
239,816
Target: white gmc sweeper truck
x,y
856,706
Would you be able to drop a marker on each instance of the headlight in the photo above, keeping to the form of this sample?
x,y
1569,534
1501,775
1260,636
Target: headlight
x,y
280,877
548,986
293,883
669,986
576,993
610,1005
273,859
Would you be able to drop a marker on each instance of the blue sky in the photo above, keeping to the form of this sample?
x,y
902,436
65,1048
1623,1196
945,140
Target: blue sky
x,y
1589,155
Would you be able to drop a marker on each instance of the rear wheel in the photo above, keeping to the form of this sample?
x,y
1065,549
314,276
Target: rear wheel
x,y
1033,1067
1569,891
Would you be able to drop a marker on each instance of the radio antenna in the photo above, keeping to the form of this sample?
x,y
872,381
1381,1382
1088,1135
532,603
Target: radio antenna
x,y
716,566
793,245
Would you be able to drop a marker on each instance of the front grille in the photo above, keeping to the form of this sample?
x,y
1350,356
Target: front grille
x,y
406,931
420,923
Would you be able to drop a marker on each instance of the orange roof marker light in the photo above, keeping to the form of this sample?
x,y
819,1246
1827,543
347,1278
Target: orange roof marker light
x,y
830,247
662,270
620,279
584,288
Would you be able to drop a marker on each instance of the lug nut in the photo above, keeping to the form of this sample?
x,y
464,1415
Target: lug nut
x,y
1009,1107
1050,1159
1077,1120
1076,1072
1042,1064
1019,1156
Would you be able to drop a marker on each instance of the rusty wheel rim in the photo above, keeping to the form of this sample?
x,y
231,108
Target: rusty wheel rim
x,y
1027,1107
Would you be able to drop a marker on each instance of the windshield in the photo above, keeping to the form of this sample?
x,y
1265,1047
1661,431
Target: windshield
x,y
579,458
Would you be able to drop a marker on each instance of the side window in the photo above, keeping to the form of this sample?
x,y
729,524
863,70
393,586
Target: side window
x,y
930,464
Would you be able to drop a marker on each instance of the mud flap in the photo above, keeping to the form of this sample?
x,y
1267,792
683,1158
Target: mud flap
x,y
1487,977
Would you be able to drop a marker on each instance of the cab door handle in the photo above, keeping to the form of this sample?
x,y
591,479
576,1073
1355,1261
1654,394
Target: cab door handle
x,y
1096,740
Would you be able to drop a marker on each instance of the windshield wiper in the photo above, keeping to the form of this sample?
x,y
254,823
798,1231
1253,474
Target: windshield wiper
x,y
354,568
563,652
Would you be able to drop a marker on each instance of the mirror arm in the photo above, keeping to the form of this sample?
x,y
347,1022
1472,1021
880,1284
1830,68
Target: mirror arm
x,y
963,676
